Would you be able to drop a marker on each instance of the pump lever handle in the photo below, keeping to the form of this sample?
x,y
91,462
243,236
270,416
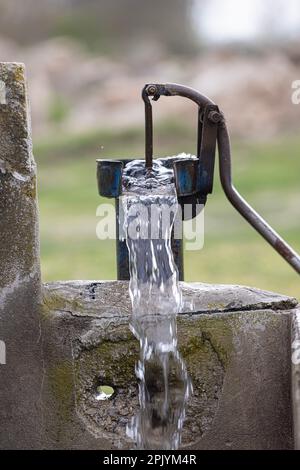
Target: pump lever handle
x,y
238,202
242,206
156,90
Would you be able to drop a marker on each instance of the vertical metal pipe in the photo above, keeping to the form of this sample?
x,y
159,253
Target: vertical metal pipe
x,y
177,249
121,246
148,129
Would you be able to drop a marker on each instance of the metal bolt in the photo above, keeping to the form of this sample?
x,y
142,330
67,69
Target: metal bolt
x,y
151,90
214,116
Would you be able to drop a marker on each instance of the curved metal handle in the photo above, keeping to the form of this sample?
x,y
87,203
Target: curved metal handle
x,y
170,89
174,89
257,222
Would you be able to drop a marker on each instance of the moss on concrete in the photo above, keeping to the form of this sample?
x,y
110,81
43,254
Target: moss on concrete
x,y
30,189
53,302
215,329
116,360
60,379
19,73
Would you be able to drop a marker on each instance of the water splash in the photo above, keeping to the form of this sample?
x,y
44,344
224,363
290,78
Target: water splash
x,y
164,384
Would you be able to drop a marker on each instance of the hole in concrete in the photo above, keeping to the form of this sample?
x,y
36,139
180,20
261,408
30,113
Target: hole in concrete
x,y
104,392
92,290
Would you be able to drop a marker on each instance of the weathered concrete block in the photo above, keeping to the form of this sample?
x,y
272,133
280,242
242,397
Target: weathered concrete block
x,y
21,377
295,336
236,344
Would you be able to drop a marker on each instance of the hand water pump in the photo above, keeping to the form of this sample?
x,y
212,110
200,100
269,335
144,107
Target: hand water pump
x,y
193,176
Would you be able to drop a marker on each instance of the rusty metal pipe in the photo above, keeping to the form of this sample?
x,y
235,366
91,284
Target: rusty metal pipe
x,y
257,222
174,89
244,208
148,129
169,89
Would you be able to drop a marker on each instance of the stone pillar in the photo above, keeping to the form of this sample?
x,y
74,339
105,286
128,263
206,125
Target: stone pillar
x,y
295,337
21,377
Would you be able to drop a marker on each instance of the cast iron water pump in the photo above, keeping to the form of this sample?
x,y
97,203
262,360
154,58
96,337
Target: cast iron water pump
x,y
193,177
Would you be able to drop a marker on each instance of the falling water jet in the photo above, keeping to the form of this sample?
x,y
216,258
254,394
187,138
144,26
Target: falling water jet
x,y
164,384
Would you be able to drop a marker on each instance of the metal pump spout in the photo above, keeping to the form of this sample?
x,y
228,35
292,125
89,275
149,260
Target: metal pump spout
x,y
193,177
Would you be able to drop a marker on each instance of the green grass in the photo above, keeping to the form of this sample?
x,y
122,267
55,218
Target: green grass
x,y
59,109
267,174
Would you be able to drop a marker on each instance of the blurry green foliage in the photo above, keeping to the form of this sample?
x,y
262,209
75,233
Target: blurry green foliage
x,y
58,110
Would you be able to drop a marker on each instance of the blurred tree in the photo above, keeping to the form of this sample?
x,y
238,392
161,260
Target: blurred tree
x,y
28,20
108,25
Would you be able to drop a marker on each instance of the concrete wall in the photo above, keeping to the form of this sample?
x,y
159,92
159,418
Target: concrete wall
x,y
295,337
236,344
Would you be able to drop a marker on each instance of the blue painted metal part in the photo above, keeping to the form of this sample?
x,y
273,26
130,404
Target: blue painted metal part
x,y
185,173
109,177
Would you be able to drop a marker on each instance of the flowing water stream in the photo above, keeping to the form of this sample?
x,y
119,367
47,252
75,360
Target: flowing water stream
x,y
149,208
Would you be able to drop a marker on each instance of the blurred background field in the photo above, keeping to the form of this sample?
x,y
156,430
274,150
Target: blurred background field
x,y
267,174
86,64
